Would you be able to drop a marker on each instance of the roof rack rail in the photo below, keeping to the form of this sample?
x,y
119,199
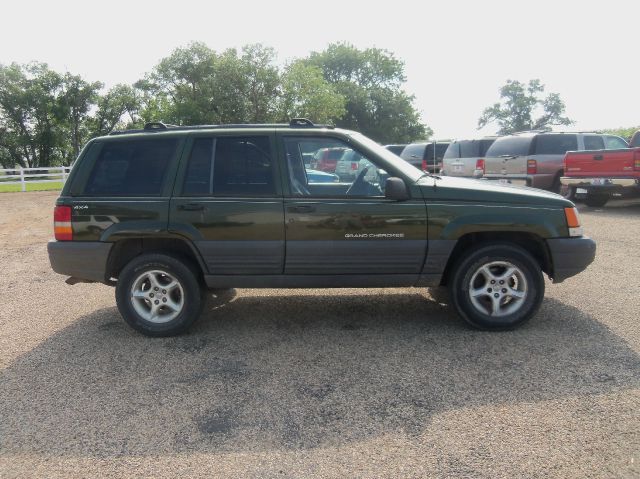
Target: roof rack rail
x,y
158,126
300,122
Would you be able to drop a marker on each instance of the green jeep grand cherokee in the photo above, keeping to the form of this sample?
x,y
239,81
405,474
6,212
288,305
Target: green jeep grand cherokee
x,y
165,212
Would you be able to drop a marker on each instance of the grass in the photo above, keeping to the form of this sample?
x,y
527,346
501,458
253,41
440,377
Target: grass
x,y
31,187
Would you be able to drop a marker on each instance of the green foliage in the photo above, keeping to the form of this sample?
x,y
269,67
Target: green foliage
x,y
519,102
370,81
46,117
305,94
625,133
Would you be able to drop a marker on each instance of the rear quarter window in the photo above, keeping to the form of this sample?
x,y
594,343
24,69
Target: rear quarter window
x,y
614,142
453,151
555,144
131,168
413,152
510,145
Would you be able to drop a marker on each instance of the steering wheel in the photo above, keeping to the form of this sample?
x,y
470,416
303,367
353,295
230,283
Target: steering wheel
x,y
358,183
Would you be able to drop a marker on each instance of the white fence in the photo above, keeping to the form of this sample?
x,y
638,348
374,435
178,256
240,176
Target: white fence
x,y
22,176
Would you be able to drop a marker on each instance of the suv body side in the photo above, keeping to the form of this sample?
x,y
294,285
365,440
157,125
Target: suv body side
x,y
536,159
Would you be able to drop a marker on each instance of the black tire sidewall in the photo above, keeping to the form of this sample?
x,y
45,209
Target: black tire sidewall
x,y
179,269
472,261
596,200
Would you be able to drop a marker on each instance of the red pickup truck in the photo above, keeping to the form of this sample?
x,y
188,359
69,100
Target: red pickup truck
x,y
602,172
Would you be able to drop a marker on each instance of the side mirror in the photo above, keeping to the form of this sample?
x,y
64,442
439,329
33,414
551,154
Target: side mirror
x,y
395,189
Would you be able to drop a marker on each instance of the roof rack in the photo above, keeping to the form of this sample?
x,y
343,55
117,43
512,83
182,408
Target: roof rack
x,y
158,126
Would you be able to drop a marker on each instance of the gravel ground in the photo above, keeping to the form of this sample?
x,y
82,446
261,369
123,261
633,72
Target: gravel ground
x,y
318,383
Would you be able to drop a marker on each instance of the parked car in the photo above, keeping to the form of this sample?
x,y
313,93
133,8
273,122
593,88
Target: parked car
x,y
326,159
252,219
421,155
602,173
536,158
396,149
466,157
347,165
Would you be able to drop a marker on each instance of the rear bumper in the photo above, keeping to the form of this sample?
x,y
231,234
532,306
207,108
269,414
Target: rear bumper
x,y
601,184
80,259
543,181
570,256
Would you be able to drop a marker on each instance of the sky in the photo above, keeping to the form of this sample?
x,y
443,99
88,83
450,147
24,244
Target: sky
x,y
457,54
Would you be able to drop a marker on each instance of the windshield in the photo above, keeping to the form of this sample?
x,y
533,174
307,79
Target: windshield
x,y
395,161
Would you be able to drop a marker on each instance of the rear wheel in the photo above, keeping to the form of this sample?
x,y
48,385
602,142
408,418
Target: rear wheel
x,y
498,286
596,199
159,295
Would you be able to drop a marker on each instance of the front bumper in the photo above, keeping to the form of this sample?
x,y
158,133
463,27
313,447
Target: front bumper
x,y
570,256
80,259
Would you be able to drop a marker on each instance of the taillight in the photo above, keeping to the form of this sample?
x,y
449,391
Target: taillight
x,y
636,160
480,165
62,223
354,166
532,167
424,165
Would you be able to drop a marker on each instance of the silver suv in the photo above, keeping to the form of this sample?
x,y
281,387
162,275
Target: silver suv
x,y
536,158
466,157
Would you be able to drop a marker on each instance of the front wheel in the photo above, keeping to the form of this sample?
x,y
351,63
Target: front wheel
x,y
498,286
159,295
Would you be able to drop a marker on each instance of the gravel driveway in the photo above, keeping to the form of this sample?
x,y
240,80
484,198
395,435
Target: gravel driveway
x,y
318,383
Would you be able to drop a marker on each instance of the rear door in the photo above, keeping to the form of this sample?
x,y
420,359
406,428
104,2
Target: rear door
x,y
228,201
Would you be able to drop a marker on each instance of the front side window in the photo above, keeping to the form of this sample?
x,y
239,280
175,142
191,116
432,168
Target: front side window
x,y
353,174
556,144
131,168
227,166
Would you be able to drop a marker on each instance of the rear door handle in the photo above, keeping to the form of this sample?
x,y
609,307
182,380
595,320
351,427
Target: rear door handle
x,y
301,209
191,207
598,157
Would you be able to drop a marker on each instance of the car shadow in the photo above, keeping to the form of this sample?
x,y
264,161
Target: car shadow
x,y
294,371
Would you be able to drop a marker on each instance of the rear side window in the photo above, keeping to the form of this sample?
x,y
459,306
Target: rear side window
x,y
510,145
131,168
484,146
614,142
230,167
593,143
555,144
469,149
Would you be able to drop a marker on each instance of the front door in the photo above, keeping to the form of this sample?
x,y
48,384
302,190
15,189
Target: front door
x,y
228,203
347,228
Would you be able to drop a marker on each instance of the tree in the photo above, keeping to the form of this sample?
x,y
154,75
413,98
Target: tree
x,y
625,133
370,80
76,100
32,115
119,107
519,102
306,94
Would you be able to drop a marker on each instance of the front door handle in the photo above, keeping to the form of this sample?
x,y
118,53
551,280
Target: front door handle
x,y
598,157
191,207
301,209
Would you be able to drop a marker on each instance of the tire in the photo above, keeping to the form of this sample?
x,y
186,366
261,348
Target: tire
x,y
176,307
596,200
568,192
519,297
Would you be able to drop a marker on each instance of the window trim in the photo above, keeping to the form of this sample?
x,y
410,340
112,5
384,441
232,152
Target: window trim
x,y
288,192
178,191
